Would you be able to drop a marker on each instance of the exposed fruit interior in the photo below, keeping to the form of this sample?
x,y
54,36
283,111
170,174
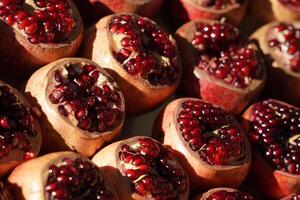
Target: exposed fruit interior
x,y
144,49
152,169
42,21
211,132
76,179
229,195
293,197
223,55
217,4
16,123
286,38
275,134
89,98
291,2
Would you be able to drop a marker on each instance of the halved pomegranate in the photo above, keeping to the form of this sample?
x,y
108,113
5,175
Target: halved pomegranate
x,y
20,134
142,168
82,106
220,67
208,142
186,10
139,55
37,32
273,129
280,43
60,176
292,197
224,194
4,192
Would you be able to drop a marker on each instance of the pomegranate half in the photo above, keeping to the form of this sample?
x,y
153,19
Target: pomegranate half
x,y
60,176
280,43
20,133
208,142
220,67
224,194
273,129
83,107
37,32
139,55
142,168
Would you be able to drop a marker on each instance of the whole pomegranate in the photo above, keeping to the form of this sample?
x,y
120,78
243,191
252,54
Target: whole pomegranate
x,y
280,43
20,134
139,55
208,142
224,194
60,176
273,129
220,67
83,107
142,168
37,32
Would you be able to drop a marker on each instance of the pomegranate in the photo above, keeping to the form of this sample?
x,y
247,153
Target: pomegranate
x,y
4,193
292,197
208,142
142,168
221,68
273,129
37,32
82,106
186,10
224,194
139,55
20,134
280,43
60,176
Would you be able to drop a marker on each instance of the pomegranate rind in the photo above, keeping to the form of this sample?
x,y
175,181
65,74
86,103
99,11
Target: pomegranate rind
x,y
27,185
59,132
205,195
140,96
282,82
273,183
201,175
108,159
197,83
15,157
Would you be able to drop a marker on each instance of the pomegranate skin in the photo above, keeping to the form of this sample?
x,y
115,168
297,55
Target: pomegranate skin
x,y
205,195
201,174
15,157
279,77
270,182
97,47
197,83
59,133
26,185
20,57
107,158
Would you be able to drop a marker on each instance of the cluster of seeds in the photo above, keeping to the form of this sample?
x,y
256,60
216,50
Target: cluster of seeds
x,y
211,132
151,169
144,49
85,94
226,195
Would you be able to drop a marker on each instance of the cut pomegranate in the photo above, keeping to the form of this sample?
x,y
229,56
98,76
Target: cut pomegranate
x,y
83,107
273,129
20,134
224,194
140,55
281,44
221,68
4,193
60,176
145,170
208,142
36,32
292,197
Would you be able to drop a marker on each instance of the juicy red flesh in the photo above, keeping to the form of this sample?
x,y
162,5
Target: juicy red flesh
x,y
49,22
270,130
16,123
211,132
226,195
95,107
286,38
76,179
146,50
291,2
224,56
150,168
